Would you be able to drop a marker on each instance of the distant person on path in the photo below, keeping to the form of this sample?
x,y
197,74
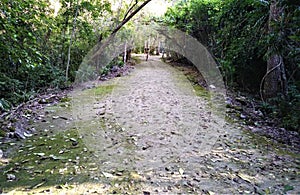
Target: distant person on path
x,y
146,51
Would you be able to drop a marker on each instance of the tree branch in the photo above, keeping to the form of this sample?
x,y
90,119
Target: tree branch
x,y
113,33
125,20
128,11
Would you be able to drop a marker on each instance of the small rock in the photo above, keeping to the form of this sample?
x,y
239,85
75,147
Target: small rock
x,y
55,117
11,177
43,101
242,116
1,153
115,69
228,101
99,105
212,86
27,134
101,112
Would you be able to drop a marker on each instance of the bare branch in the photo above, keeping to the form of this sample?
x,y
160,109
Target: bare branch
x,y
129,10
129,17
113,33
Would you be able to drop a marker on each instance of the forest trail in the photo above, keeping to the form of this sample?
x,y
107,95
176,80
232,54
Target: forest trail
x,y
150,132
153,134
158,110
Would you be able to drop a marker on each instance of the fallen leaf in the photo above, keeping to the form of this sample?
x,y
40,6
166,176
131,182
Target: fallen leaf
x,y
135,176
108,175
181,171
57,157
288,188
39,154
211,193
37,185
247,178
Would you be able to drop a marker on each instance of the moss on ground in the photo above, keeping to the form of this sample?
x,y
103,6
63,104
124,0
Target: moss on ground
x,y
266,144
201,91
51,158
47,160
100,90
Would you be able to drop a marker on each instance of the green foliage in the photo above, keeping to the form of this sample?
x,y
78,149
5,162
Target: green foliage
x,y
286,111
240,41
194,17
237,33
290,110
34,44
4,105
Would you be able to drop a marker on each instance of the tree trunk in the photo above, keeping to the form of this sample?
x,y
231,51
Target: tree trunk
x,y
275,79
71,39
125,52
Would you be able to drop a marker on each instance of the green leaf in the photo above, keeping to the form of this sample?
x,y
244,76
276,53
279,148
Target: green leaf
x,y
288,188
4,105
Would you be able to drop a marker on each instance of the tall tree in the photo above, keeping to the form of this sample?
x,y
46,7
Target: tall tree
x,y
275,81
71,39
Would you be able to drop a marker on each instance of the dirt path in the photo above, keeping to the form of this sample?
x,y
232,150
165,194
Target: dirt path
x,y
146,133
153,134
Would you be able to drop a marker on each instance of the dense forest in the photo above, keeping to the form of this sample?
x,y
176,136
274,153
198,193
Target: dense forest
x,y
254,42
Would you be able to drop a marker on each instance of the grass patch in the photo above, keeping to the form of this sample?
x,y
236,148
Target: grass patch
x,y
101,90
201,91
2,133
265,144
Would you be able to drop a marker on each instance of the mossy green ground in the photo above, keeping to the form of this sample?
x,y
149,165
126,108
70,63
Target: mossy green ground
x,y
101,90
48,159
57,163
54,156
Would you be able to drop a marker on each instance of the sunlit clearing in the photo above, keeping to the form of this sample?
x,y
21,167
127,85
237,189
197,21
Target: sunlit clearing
x,y
55,5
154,7
157,7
